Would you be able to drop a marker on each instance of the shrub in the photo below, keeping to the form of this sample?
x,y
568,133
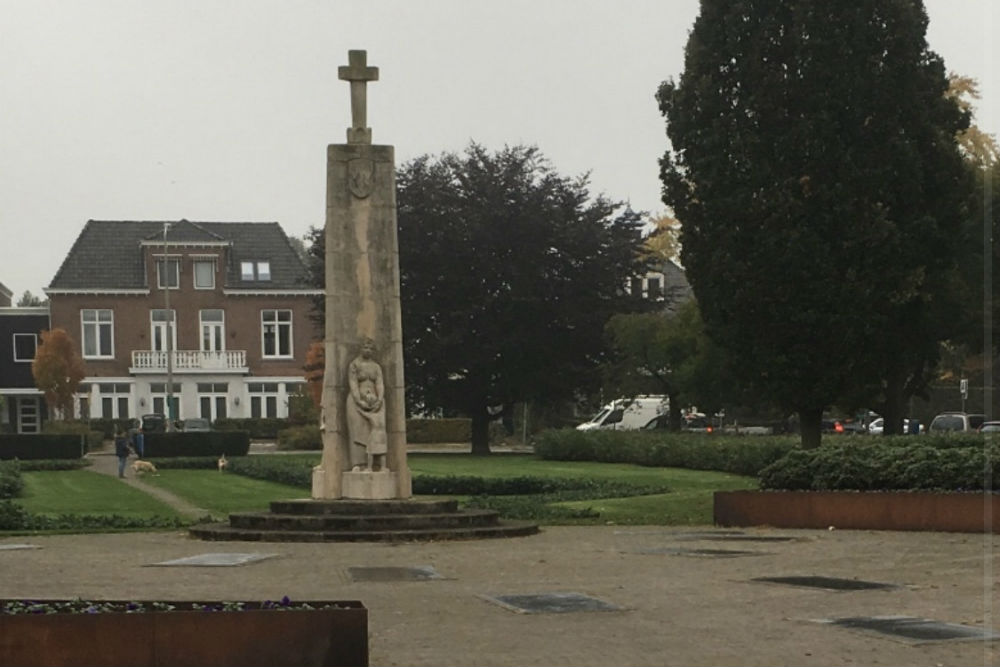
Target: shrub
x,y
264,428
13,516
305,437
11,482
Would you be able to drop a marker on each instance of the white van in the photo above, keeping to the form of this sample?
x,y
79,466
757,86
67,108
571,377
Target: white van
x,y
627,413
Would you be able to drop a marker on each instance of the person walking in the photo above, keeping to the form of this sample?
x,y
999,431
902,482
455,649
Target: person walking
x,y
138,441
121,450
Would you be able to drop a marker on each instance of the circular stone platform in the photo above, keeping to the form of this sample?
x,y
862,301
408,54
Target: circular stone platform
x,y
363,521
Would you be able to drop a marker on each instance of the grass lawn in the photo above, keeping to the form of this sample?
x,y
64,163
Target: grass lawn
x,y
688,503
53,493
222,493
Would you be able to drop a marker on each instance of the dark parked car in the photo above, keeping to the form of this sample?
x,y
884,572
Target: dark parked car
x,y
197,424
154,423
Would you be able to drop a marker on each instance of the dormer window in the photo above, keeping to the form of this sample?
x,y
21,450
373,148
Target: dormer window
x,y
168,273
257,270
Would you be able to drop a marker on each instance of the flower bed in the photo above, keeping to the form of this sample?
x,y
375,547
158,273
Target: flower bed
x,y
137,633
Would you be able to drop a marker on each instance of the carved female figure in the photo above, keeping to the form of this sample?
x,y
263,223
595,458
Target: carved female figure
x,y
366,411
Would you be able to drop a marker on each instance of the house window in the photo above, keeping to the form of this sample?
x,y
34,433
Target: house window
x,y
98,329
204,274
213,330
276,333
255,270
263,399
168,273
163,327
114,399
212,400
158,394
25,346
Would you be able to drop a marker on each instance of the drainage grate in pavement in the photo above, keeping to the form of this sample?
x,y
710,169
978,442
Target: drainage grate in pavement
x,y
913,630
828,583
215,560
424,573
705,553
18,547
551,603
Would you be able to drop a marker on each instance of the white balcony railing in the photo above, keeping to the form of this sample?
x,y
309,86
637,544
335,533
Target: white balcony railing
x,y
151,361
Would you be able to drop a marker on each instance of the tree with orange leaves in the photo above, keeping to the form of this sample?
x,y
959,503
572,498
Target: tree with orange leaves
x,y
58,370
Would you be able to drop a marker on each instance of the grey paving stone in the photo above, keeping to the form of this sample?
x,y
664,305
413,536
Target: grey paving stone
x,y
828,583
914,630
215,560
422,573
551,603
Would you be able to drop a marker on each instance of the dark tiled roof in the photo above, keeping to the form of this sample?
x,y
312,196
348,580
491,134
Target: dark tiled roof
x,y
108,254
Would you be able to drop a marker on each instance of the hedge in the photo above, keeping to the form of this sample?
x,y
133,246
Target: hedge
x,y
264,428
737,454
41,446
11,482
438,430
196,443
886,467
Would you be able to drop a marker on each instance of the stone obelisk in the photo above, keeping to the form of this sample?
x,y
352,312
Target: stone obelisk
x,y
363,417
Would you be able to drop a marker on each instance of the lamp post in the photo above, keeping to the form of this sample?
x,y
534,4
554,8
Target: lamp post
x,y
170,361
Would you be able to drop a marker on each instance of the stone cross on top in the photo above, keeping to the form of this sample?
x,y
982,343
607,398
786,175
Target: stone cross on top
x,y
359,74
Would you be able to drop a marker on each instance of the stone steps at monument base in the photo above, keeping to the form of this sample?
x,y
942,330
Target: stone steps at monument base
x,y
226,532
309,506
361,522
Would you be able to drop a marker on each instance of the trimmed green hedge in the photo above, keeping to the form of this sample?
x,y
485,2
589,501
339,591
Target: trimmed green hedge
x,y
738,454
197,443
264,428
93,437
306,437
886,467
41,446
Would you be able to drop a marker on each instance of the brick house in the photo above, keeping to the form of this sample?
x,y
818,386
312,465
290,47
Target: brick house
x,y
220,308
667,284
23,406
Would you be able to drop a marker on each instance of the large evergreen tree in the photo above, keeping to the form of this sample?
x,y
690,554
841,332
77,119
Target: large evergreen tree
x,y
820,190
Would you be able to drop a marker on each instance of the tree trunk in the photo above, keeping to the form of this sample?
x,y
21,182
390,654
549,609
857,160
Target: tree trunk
x,y
675,412
480,432
892,413
810,427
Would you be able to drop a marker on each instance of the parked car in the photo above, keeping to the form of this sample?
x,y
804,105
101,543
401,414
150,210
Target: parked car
x,y
627,413
197,424
956,422
877,427
154,423
990,427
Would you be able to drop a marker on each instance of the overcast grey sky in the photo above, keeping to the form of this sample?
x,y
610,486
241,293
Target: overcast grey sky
x,y
222,109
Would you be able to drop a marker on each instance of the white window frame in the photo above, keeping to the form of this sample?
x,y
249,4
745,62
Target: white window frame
x,y
255,270
270,318
218,325
168,327
161,262
34,337
264,395
96,323
194,273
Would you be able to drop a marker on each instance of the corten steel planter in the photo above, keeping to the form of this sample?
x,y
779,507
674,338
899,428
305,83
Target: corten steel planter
x,y
864,510
252,636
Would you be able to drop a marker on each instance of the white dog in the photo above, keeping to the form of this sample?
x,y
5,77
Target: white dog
x,y
143,467
223,463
